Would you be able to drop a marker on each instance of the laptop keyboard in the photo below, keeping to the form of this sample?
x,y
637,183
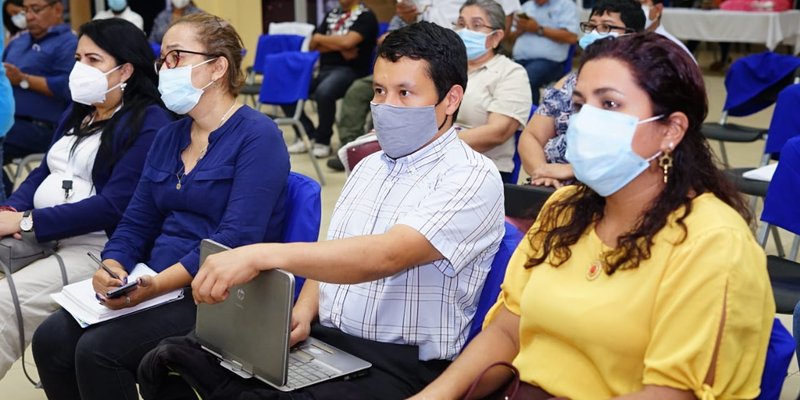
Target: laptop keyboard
x,y
304,373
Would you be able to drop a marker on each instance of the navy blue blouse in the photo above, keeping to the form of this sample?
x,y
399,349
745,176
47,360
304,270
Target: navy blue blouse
x,y
235,195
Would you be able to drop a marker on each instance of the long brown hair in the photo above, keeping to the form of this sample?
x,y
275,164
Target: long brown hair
x,y
674,84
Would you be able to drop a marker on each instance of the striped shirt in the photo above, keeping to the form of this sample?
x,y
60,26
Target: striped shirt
x,y
454,197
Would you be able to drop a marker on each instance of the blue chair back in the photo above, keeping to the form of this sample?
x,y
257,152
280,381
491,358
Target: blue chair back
x,y
780,205
287,77
491,289
570,58
273,44
303,214
779,356
517,159
753,82
156,49
785,122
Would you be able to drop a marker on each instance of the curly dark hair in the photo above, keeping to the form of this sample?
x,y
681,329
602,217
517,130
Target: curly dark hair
x,y
674,84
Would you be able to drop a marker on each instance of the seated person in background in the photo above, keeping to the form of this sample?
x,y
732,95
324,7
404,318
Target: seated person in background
x,y
38,63
653,11
165,18
444,12
100,147
220,173
355,104
542,144
497,101
13,18
415,228
346,39
120,9
545,30
644,285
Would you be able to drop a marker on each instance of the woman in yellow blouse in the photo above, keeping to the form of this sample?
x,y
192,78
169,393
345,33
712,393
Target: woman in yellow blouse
x,y
643,281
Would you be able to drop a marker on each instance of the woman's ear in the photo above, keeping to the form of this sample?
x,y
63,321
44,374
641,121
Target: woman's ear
x,y
495,38
220,68
676,125
126,71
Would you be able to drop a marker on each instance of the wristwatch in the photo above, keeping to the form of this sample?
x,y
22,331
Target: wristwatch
x,y
24,84
26,224
540,31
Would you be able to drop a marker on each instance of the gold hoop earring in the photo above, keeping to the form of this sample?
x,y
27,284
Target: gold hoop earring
x,y
665,162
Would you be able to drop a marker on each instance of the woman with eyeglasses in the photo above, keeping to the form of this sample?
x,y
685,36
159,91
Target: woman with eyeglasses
x,y
220,173
542,144
498,98
644,281
88,175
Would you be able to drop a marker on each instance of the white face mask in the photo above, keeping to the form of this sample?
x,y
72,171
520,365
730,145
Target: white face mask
x,y
647,21
180,3
19,20
88,85
176,88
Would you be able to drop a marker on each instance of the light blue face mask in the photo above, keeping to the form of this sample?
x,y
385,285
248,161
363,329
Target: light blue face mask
x,y
177,91
594,36
475,43
599,149
404,130
117,6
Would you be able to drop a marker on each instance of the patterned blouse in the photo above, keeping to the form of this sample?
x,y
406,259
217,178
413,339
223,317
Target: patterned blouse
x,y
557,103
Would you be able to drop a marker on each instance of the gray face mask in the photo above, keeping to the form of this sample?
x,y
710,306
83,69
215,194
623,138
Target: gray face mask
x,y
404,130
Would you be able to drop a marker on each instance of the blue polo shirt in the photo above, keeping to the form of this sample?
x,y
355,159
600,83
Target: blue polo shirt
x,y
51,56
556,14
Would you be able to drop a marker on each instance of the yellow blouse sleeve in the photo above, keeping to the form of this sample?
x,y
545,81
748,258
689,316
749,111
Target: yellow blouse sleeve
x,y
721,273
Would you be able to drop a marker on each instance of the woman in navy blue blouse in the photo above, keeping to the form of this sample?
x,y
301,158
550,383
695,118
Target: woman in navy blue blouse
x,y
99,149
219,174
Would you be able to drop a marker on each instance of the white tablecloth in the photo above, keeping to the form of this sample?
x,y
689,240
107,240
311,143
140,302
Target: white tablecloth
x,y
768,28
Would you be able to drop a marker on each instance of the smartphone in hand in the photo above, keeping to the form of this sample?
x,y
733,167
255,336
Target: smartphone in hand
x,y
124,289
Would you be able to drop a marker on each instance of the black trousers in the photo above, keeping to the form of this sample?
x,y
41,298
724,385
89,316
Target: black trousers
x,y
178,367
100,362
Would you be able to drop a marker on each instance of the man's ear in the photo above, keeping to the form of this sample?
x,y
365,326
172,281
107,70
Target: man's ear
x,y
453,99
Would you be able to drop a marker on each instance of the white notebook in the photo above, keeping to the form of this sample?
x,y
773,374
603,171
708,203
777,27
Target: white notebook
x,y
762,174
79,299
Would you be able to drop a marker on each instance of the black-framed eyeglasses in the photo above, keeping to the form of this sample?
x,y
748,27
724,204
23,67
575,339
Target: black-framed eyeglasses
x,y
37,9
173,58
603,28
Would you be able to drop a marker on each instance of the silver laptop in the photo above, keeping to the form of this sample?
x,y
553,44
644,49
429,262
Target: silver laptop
x,y
249,333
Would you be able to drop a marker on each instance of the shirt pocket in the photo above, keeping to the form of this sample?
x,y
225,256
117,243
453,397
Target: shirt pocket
x,y
154,175
223,172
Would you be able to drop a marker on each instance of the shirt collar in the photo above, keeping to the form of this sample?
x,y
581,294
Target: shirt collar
x,y
489,64
54,30
432,152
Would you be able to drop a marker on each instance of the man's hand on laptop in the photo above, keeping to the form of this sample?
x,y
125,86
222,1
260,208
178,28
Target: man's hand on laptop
x,y
222,271
301,329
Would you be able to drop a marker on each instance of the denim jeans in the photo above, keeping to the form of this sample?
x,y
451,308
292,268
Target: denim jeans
x,y
541,71
24,138
330,85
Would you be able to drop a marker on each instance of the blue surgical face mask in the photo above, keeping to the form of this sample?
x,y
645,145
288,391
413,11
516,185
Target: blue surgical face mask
x,y
475,43
599,149
117,6
404,130
176,88
594,36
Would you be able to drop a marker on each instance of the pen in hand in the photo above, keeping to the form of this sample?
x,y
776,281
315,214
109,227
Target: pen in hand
x,y
103,266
